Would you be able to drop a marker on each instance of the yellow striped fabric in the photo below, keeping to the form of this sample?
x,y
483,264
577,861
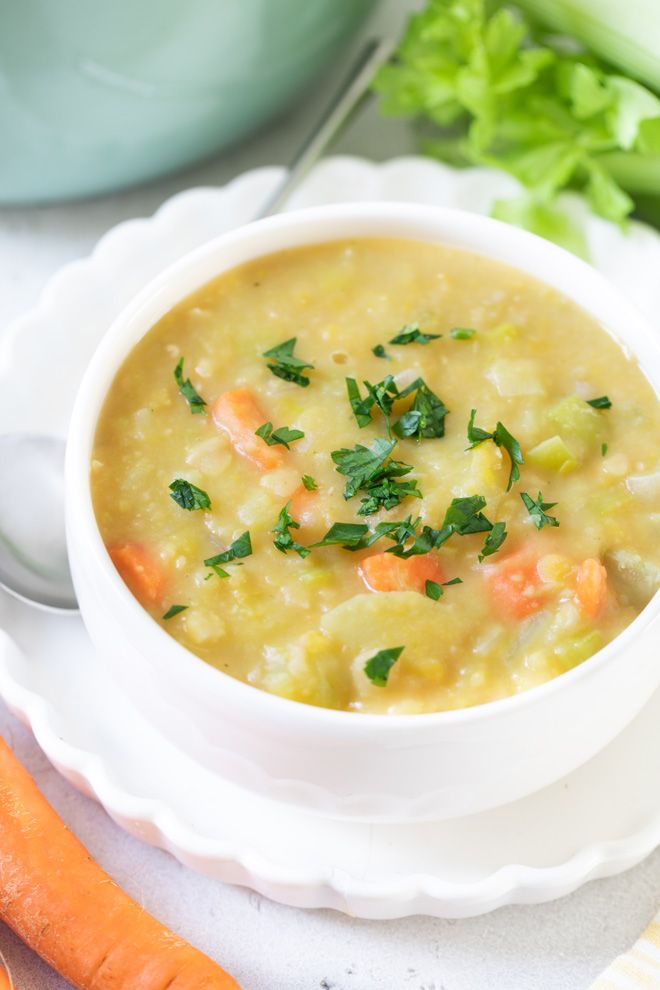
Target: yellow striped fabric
x,y
639,967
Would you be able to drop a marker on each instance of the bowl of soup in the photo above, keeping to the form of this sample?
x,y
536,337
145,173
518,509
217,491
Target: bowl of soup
x,y
362,508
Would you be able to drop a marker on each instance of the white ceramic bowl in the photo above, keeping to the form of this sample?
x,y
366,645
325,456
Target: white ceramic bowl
x,y
369,767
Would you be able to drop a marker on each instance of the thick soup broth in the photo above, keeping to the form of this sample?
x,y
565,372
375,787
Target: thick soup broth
x,y
180,476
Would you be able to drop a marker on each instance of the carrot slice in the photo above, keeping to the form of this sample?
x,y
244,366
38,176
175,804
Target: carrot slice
x,y
139,571
385,572
66,908
591,587
239,414
303,505
4,980
515,586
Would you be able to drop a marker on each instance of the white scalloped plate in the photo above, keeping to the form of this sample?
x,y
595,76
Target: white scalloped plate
x,y
600,820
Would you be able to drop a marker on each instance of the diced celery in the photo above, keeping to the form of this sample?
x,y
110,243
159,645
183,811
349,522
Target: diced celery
x,y
316,576
575,651
552,455
578,421
503,332
635,578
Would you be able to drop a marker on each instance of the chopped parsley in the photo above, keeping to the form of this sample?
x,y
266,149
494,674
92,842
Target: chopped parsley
x,y
601,402
380,352
241,547
378,667
372,471
502,438
604,447
174,610
383,395
462,333
435,591
282,435
284,541
285,365
309,484
411,334
348,535
426,417
537,510
188,391
494,540
189,496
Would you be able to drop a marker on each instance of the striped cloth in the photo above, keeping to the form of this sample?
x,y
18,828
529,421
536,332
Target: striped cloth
x,y
637,968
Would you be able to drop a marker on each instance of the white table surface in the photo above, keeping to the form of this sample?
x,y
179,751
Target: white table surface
x,y
557,946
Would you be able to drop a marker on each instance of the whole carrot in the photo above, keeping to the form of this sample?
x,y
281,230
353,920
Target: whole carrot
x,y
66,908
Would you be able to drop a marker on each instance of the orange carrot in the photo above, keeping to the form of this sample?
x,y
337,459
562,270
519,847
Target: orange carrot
x,y
303,505
5,983
515,586
66,908
139,571
239,414
385,572
591,587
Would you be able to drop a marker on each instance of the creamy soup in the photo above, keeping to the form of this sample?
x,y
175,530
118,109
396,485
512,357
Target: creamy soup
x,y
382,476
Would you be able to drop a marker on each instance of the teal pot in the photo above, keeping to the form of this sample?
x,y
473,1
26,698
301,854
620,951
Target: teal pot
x,y
96,96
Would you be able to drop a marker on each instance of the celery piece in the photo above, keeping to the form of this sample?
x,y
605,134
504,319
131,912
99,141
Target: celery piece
x,y
552,455
578,421
503,333
574,651
316,576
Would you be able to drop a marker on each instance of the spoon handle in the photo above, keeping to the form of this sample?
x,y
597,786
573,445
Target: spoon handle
x,y
348,96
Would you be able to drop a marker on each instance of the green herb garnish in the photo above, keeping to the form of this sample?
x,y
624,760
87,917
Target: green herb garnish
x,y
426,417
494,540
601,402
604,447
283,538
188,391
309,484
502,438
282,435
189,496
378,667
435,591
285,365
380,352
371,470
411,334
174,610
382,395
537,510
241,547
348,535
462,333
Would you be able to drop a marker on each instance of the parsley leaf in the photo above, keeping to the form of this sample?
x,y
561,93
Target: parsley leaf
x,y
369,470
380,352
241,547
411,334
188,391
282,435
602,402
502,438
285,365
382,395
494,540
174,610
462,333
426,416
537,509
309,484
433,590
378,667
189,496
348,535
283,539
604,447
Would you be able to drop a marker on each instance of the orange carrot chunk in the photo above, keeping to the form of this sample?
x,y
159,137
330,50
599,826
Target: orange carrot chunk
x,y
591,587
303,505
385,572
514,584
239,414
66,908
144,577
4,979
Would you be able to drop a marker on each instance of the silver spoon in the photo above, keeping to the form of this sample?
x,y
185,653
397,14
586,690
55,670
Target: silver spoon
x,y
33,558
